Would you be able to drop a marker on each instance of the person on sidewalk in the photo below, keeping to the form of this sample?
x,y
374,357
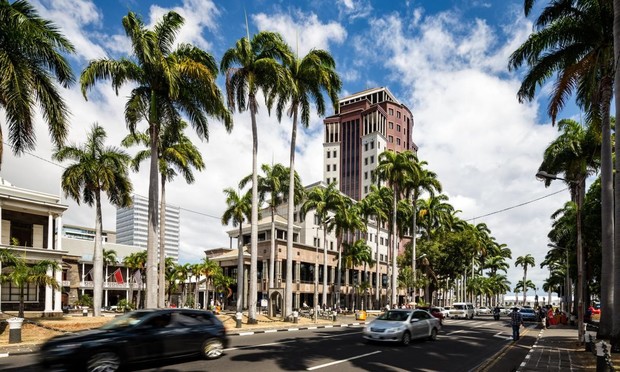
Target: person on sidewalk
x,y
516,321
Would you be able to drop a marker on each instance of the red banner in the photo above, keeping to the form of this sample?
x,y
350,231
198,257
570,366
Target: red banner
x,y
118,276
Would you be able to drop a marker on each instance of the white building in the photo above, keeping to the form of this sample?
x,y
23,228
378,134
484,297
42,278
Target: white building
x,y
132,226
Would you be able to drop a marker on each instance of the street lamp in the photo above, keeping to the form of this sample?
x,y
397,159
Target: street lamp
x,y
544,176
567,276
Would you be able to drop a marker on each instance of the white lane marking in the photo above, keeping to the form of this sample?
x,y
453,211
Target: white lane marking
x,y
4,355
271,331
499,335
284,342
341,361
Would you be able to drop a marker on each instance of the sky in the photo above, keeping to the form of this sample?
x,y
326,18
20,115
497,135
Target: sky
x,y
446,60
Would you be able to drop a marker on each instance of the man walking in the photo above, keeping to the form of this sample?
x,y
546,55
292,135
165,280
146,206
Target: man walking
x,y
516,321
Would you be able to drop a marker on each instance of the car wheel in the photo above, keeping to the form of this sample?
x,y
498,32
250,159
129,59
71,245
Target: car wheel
x,y
104,361
213,348
406,340
433,335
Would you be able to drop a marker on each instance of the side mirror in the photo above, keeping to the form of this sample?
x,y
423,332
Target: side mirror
x,y
414,320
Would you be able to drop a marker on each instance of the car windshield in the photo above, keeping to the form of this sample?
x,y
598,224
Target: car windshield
x,y
459,307
124,321
527,310
395,316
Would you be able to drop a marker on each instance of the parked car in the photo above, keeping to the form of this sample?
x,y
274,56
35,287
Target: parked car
x,y
483,310
528,314
137,337
402,325
446,311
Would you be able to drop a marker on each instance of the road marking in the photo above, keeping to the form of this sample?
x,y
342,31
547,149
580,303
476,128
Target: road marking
x,y
341,361
282,342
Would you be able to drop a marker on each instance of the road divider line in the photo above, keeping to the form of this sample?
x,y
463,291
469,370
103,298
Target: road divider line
x,y
341,361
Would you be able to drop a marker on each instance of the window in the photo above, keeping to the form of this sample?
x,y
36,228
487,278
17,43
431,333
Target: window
x,y
372,159
398,127
381,241
365,161
391,139
334,167
366,146
398,141
391,125
317,221
365,175
331,245
317,242
10,292
334,153
372,144
328,154
398,114
328,167
365,189
391,111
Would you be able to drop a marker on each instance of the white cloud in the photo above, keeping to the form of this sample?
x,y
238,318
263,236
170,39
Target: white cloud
x,y
354,9
304,31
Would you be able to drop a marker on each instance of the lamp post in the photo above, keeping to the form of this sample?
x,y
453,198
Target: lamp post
x,y
544,176
567,276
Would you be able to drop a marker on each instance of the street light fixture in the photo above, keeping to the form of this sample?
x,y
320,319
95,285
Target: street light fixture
x,y
567,276
544,176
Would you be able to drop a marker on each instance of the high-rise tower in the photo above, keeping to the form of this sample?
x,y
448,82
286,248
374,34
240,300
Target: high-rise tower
x,y
366,124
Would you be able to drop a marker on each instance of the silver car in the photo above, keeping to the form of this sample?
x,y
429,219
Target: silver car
x,y
402,325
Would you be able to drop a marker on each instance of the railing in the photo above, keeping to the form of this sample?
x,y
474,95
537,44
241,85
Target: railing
x,y
110,285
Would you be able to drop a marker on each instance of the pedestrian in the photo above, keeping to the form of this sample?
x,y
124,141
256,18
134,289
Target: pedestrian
x,y
542,316
516,321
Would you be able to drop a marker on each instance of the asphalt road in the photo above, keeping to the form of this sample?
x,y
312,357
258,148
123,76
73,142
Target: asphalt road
x,y
462,345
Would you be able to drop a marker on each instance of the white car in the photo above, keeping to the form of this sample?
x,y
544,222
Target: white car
x,y
483,310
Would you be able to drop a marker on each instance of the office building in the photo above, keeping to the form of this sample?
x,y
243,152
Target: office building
x,y
364,125
132,226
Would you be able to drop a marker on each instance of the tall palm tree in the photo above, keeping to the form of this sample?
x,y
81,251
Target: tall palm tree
x,y
346,222
355,254
166,83
239,209
613,266
275,183
525,261
176,153
573,41
420,180
20,272
395,168
381,199
252,65
109,258
209,269
324,201
97,169
32,56
183,273
306,80
136,262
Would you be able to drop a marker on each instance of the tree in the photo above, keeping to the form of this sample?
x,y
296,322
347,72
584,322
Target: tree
x,y
97,169
275,183
573,42
525,261
32,56
176,154
166,83
21,272
136,262
323,201
239,208
612,288
395,169
252,65
355,254
109,258
381,199
305,81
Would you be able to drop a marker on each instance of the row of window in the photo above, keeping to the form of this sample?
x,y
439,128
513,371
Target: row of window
x,y
372,160
331,154
371,144
391,126
332,167
391,112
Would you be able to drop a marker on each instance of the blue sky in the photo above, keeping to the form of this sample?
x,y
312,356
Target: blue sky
x,y
446,60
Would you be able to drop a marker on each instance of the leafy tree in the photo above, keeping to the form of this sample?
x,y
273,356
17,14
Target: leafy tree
x,y
166,83
96,169
32,56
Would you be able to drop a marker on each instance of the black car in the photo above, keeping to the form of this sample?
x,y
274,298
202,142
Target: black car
x,y
137,337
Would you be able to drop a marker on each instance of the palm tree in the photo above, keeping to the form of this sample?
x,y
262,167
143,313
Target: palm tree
x,y
381,199
109,258
20,272
30,60
166,83
525,261
612,268
524,287
252,65
323,201
420,180
183,272
345,221
275,183
395,169
97,169
356,254
176,153
239,209
305,81
573,41
136,262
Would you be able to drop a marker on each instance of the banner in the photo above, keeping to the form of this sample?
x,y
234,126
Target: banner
x,y
118,275
137,277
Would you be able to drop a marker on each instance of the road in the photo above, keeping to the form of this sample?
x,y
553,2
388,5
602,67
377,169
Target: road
x,y
462,345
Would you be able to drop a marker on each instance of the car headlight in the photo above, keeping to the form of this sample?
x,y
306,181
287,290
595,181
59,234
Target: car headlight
x,y
395,329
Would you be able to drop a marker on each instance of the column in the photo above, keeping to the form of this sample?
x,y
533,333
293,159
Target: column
x,y
58,293
278,277
59,233
50,231
265,278
246,287
48,294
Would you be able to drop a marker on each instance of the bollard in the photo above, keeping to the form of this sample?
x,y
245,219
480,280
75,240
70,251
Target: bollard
x,y
333,316
238,318
295,317
600,356
15,330
85,311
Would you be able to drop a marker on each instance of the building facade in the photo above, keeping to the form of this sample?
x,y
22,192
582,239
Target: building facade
x,y
132,226
366,124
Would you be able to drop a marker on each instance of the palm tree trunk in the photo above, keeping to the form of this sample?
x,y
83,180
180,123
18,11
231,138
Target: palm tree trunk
x,y
414,229
339,272
524,281
324,297
272,253
162,245
240,263
97,259
288,298
613,285
378,281
394,246
254,218
151,251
